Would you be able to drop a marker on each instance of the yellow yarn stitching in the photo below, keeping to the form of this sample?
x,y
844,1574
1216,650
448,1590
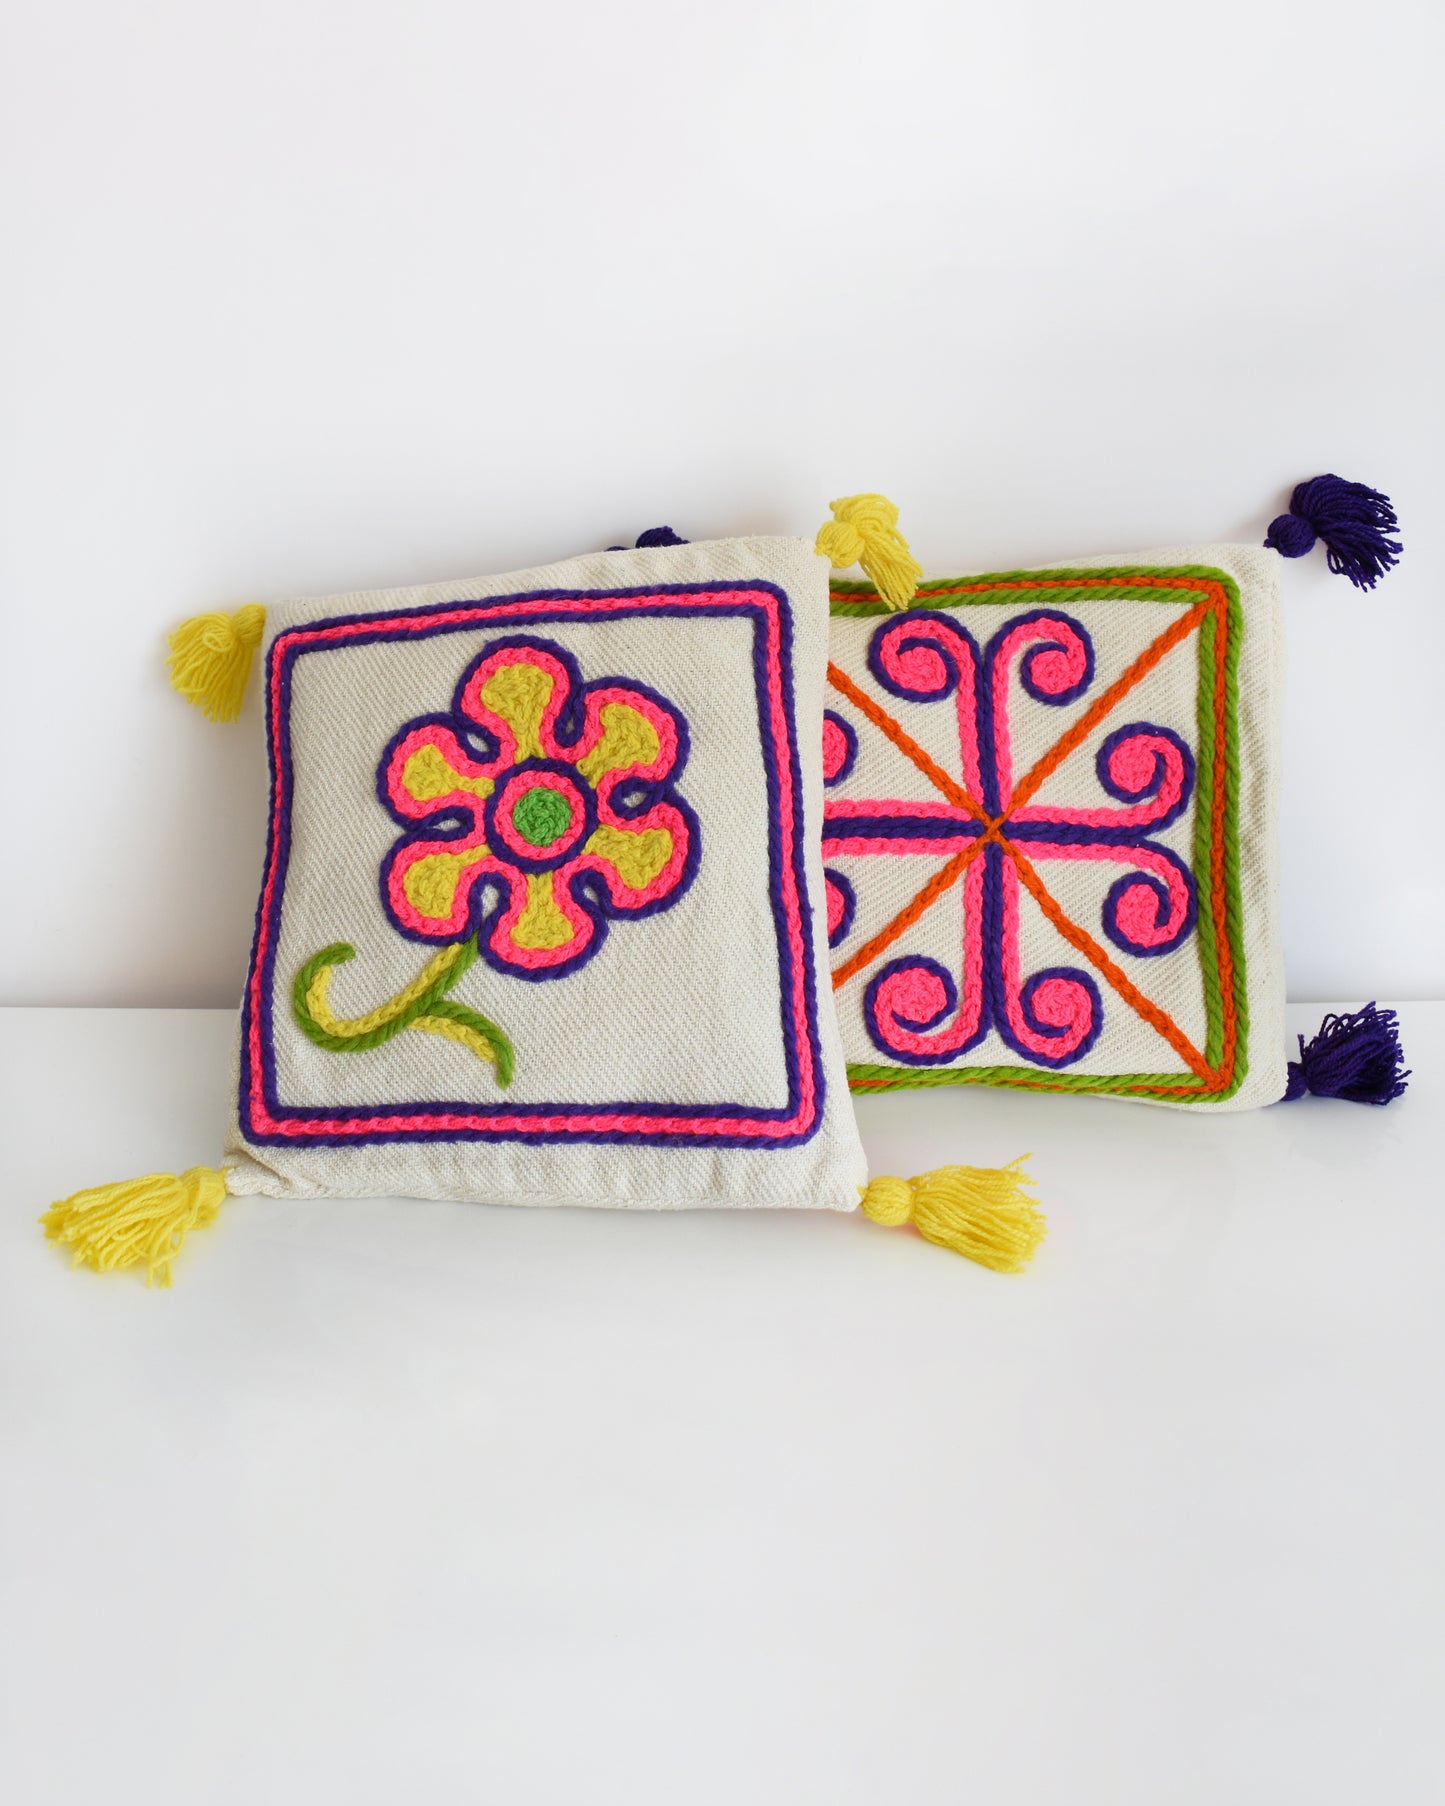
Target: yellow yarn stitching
x,y
541,924
136,1220
628,738
459,1032
639,854
317,999
211,658
981,1212
430,885
864,531
519,694
427,775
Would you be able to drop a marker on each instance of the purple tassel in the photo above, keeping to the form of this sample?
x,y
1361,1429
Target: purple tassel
x,y
654,536
1354,1057
1352,521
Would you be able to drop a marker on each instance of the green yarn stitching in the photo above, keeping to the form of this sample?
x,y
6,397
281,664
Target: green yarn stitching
x,y
391,1019
1058,581
542,816
1019,1078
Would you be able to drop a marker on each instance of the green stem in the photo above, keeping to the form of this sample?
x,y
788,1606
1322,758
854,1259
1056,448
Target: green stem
x,y
425,997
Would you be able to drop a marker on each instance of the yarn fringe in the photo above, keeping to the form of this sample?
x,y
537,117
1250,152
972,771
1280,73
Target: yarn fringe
x,y
136,1220
864,531
983,1213
211,657
1357,1057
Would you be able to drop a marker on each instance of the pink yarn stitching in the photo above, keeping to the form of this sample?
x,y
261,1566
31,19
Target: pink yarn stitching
x,y
1059,1001
1138,909
1051,673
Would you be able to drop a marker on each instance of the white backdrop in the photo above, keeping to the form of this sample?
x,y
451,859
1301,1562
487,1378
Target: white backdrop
x,y
303,295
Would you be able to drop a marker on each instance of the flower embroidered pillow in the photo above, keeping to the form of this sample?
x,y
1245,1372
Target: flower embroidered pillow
x,y
541,917
1049,830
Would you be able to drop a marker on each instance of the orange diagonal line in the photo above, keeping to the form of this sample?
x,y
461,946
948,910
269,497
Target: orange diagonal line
x,y
906,744
942,880
1092,951
1098,709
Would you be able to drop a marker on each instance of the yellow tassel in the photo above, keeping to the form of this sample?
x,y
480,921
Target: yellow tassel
x,y
981,1212
864,531
136,1220
211,659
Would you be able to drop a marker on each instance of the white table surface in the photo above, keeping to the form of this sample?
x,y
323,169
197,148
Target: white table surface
x,y
396,1502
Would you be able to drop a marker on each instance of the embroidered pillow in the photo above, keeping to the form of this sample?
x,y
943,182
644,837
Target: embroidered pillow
x,y
1049,830
565,823
541,916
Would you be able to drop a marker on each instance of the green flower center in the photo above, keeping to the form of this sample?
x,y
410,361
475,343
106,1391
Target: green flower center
x,y
542,816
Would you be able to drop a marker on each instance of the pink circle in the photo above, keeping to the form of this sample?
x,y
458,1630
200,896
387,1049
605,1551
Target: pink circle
x,y
1053,670
917,995
919,668
1132,763
835,748
1137,914
1054,1002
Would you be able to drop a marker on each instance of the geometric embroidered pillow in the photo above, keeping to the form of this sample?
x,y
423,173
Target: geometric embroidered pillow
x,y
1049,830
542,915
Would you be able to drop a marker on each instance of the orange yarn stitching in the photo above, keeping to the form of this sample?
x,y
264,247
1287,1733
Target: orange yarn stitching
x,y
1103,705
1228,1014
1212,605
906,744
1024,1081
942,880
1090,948
1140,580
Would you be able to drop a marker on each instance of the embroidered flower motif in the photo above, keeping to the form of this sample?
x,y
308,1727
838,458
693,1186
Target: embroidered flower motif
x,y
539,810
991,834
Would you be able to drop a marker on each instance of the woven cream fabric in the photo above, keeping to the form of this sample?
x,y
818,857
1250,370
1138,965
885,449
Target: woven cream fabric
x,y
885,880
682,1009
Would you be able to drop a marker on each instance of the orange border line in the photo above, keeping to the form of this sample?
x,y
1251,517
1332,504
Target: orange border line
x,y
1223,943
1078,580
1029,1078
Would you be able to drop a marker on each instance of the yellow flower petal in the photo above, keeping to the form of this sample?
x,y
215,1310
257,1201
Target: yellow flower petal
x,y
628,738
428,774
431,884
639,854
541,924
519,694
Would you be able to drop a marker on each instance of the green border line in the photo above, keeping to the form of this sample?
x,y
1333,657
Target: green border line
x,y
849,599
